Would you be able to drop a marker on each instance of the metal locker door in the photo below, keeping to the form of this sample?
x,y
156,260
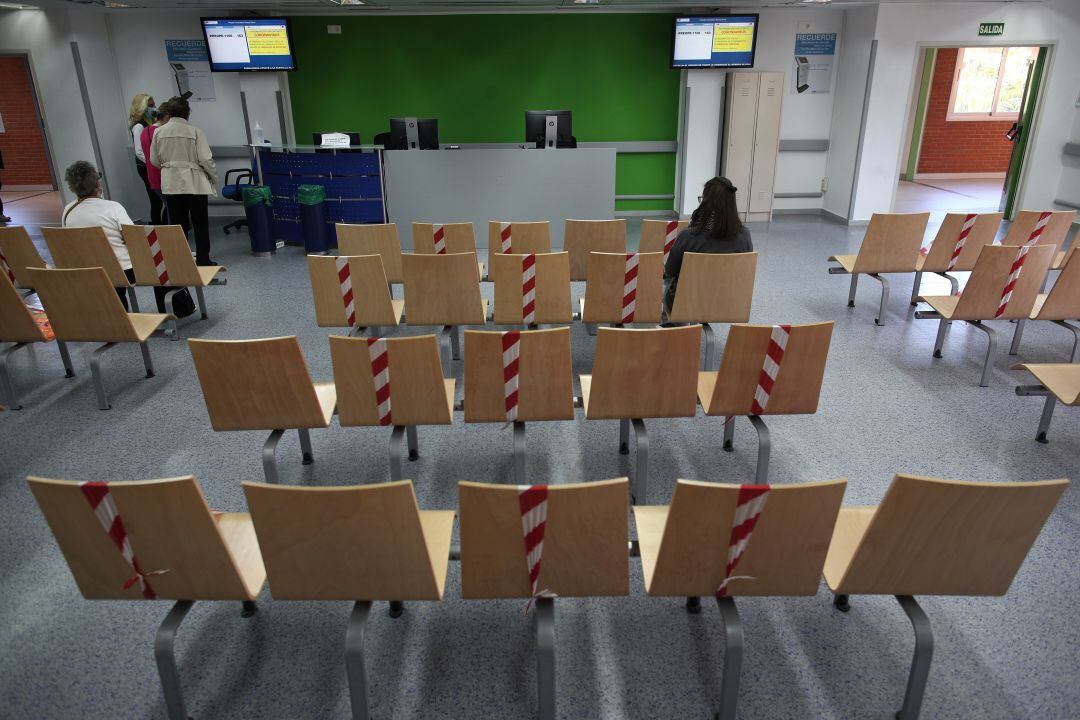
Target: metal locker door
x,y
739,121
766,143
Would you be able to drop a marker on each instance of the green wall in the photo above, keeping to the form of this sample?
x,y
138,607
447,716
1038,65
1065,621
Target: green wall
x,y
478,74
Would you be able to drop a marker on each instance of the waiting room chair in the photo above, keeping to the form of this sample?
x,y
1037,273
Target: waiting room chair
x,y
532,289
87,247
714,288
1058,382
700,546
640,374
361,544
582,237
518,238
1051,230
17,253
352,292
445,238
518,377
233,189
659,235
936,537
959,240
543,542
262,385
82,306
623,288
394,382
987,295
766,370
153,540
443,290
891,245
378,239
1058,306
17,325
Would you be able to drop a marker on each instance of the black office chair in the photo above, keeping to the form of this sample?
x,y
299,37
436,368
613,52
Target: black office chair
x,y
235,191
383,139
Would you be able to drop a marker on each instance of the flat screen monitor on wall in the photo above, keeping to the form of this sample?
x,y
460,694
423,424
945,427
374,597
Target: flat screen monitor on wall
x,y
243,44
721,41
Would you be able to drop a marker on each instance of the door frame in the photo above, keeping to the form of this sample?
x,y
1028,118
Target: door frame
x,y
35,92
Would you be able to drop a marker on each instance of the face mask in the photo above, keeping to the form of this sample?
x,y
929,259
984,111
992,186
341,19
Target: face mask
x,y
151,112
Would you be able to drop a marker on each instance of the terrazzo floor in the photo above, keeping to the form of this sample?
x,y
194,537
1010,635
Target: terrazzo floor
x,y
886,406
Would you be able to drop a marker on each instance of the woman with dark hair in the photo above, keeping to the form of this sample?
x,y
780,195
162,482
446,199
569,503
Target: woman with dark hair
x,y
714,228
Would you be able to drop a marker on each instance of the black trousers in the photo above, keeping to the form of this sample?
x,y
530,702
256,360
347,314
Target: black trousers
x,y
159,293
190,213
156,206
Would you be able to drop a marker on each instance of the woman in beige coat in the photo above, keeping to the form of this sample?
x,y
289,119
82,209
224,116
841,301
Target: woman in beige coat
x,y
188,175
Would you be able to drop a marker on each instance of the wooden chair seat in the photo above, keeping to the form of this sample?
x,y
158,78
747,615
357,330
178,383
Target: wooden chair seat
x,y
373,239
845,261
443,290
19,252
373,305
146,324
939,256
715,288
238,534
1054,233
552,289
1061,379
654,232
604,288
944,304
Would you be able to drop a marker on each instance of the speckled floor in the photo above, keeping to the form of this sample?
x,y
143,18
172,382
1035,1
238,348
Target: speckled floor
x,y
886,406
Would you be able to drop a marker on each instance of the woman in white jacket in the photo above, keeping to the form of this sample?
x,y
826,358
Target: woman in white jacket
x,y
188,175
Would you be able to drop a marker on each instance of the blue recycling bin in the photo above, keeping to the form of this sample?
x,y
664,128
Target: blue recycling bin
x,y
259,215
312,200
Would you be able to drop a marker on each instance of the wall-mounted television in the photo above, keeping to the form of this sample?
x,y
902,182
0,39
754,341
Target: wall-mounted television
x,y
248,43
714,41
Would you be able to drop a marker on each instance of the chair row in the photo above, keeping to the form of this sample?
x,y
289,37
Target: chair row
x,y
514,377
158,539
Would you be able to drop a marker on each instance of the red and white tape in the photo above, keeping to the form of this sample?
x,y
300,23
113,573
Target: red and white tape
x,y
1040,225
104,506
438,236
629,299
532,501
7,268
155,252
748,508
528,289
969,222
1018,263
505,232
380,374
341,262
511,358
671,231
770,368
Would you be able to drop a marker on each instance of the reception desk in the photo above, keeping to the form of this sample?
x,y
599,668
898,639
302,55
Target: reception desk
x,y
480,184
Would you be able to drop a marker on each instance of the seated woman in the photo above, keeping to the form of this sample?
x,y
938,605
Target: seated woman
x,y
714,228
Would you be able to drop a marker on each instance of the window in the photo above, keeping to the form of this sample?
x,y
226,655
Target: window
x,y
989,83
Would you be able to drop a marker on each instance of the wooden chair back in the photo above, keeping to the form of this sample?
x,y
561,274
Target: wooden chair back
x,y
585,541
458,237
545,376
982,294
797,387
442,290
1055,232
344,543
943,537
606,281
644,373
378,239
137,239
256,384
654,232
84,247
1063,300
784,556
372,303
891,243
82,305
582,237
525,237
418,390
982,233
173,243
552,288
170,528
17,324
715,288
19,252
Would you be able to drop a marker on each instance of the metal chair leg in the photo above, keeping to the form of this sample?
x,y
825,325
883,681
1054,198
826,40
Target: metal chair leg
x,y
166,660
729,434
841,603
939,341
991,350
202,302
851,290
414,444
880,319
444,348
396,452
710,345
764,447
1044,419
7,390
916,286
590,328
641,470
545,657
307,456
95,372
148,363
269,456
133,298
624,437
455,342
920,663
1018,333
953,282
65,357
733,655
519,454
355,668
170,307
1076,337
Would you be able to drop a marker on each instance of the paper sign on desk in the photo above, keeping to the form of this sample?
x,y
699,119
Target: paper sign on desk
x,y
335,140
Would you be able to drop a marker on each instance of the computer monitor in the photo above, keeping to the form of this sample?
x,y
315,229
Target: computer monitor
x,y
549,128
413,134
354,139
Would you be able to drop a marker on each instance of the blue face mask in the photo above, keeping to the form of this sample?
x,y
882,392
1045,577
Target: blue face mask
x,y
151,112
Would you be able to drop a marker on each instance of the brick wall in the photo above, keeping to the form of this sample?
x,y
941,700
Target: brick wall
x,y
25,161
958,146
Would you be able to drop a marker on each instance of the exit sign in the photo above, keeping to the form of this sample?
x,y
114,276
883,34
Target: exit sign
x,y
991,28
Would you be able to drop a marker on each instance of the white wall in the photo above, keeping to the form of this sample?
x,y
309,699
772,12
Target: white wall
x,y
1069,186
704,114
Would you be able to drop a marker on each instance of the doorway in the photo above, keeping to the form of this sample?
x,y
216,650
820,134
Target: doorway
x,y
971,116
28,190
